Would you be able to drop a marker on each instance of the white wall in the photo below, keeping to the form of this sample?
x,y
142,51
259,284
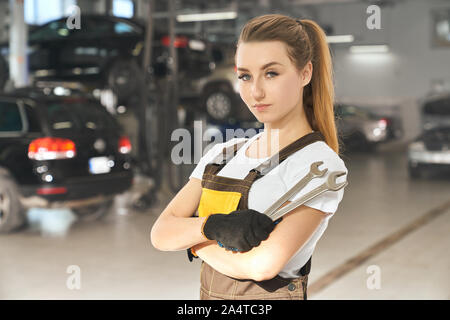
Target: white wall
x,y
402,76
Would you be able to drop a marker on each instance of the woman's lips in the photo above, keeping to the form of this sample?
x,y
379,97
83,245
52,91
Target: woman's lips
x,y
261,107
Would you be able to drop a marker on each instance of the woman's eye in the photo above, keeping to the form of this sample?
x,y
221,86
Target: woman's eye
x,y
242,76
271,73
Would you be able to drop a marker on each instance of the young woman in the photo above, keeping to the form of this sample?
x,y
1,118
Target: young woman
x,y
285,78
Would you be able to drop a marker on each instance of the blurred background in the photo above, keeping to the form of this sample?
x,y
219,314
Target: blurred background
x,y
95,95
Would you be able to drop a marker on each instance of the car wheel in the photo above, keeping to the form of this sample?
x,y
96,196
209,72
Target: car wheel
x,y
94,211
3,73
123,78
219,105
11,211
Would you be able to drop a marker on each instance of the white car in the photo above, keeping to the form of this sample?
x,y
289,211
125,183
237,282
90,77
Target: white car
x,y
430,153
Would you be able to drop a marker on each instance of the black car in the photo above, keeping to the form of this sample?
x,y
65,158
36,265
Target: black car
x,y
429,153
59,151
435,111
106,52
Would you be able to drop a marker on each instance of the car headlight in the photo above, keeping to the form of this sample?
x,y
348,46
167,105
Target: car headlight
x,y
375,131
417,146
196,45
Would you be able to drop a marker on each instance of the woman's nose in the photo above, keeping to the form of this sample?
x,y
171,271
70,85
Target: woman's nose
x,y
257,90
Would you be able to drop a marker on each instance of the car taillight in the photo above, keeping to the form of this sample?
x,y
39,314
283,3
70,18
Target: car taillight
x,y
57,190
179,42
382,123
124,145
50,148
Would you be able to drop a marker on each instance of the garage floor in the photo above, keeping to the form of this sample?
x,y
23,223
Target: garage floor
x,y
375,228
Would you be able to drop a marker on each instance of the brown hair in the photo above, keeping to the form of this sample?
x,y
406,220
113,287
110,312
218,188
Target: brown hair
x,y
306,41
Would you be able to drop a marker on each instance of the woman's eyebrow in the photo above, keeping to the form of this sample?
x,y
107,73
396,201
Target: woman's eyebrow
x,y
263,67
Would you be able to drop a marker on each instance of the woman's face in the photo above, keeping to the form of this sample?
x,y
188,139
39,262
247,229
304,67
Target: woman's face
x,y
267,76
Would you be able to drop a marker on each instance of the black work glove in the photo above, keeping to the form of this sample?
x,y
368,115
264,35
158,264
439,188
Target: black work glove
x,y
240,230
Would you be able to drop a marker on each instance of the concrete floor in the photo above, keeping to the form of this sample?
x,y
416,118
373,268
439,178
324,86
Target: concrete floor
x,y
117,261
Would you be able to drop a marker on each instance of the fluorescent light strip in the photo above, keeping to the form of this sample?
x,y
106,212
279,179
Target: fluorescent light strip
x,y
340,39
206,16
369,49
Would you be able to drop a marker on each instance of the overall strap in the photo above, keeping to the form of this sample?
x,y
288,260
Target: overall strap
x,y
275,160
300,144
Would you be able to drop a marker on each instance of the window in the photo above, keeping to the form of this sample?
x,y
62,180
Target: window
x,y
440,107
10,118
94,28
123,8
59,118
122,27
344,111
94,117
79,117
53,30
38,12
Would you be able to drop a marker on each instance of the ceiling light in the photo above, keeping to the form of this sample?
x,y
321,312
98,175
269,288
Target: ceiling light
x,y
341,39
369,49
206,16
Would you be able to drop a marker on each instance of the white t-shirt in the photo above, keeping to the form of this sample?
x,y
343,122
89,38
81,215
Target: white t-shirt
x,y
269,188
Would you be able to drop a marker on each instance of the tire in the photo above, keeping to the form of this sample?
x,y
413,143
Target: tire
x,y
12,214
123,77
93,212
219,105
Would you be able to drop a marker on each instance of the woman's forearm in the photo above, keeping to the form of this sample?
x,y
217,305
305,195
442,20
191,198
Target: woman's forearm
x,y
172,233
233,264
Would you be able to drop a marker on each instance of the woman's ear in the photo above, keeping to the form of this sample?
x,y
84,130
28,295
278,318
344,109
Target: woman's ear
x,y
307,73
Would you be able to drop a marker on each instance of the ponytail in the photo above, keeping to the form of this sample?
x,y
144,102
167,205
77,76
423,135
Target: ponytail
x,y
318,95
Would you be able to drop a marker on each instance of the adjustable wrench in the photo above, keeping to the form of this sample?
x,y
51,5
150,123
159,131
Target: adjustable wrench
x,y
329,185
314,172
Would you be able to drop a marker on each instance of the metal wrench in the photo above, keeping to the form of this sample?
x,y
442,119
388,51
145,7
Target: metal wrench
x,y
314,172
329,185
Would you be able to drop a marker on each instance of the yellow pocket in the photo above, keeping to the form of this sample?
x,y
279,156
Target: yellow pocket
x,y
213,201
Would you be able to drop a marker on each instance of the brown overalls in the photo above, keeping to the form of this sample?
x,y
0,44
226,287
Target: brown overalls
x,y
215,285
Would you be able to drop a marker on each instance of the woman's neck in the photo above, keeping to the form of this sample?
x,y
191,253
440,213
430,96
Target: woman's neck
x,y
278,135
